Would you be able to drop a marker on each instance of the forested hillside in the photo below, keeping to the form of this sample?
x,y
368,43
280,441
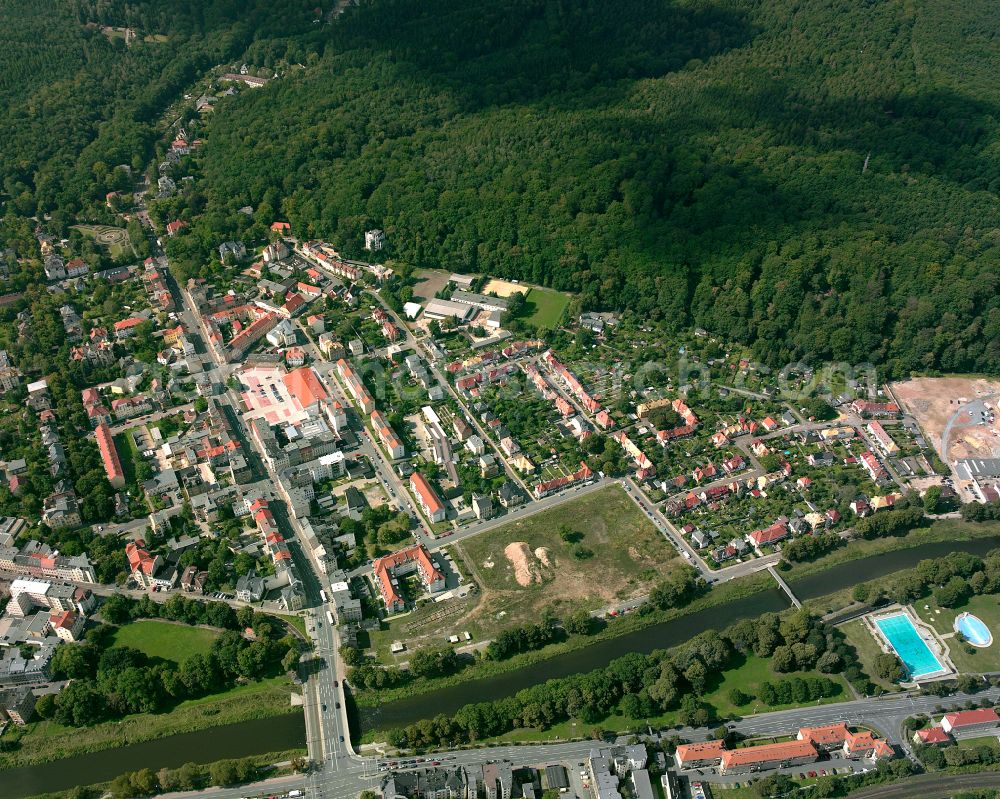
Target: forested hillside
x,y
698,161
75,103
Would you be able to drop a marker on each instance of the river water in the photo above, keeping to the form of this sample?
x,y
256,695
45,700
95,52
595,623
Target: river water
x,y
287,732
254,737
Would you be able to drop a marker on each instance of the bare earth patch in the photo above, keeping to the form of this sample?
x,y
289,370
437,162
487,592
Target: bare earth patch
x,y
543,555
520,556
934,401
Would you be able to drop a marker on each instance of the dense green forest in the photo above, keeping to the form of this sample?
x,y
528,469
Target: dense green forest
x,y
700,161
817,178
76,103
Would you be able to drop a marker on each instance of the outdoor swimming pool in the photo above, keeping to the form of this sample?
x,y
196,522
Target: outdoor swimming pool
x,y
903,637
974,630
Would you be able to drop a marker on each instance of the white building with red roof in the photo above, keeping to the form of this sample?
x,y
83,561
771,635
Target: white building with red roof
x,y
427,497
970,722
143,565
67,625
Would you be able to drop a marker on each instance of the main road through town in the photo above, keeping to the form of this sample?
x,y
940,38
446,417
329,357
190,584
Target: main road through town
x,y
342,775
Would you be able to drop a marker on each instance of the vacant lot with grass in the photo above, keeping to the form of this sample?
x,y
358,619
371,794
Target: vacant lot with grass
x,y
162,639
590,553
544,308
613,554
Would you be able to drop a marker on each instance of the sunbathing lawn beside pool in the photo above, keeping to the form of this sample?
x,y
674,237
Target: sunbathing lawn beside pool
x,y
868,649
987,608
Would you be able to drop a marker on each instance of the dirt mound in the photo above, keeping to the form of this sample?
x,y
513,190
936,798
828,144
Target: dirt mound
x,y
520,556
543,555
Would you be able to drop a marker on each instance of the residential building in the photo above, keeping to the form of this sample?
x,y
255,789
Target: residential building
x,y
29,594
235,250
482,506
882,439
61,509
374,240
387,436
757,758
142,565
17,704
250,588
388,569
427,497
67,625
109,456
875,409
430,783
931,736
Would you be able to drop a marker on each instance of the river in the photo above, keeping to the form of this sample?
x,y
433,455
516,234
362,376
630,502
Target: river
x,y
255,737
658,636
288,731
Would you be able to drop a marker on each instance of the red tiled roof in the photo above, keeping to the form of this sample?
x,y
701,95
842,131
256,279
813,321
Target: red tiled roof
x,y
109,455
64,620
426,493
692,753
966,718
383,570
304,385
294,302
139,558
768,753
829,735
933,735
769,535
125,324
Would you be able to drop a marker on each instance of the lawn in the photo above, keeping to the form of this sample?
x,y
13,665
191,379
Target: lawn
x,y
543,308
42,741
615,554
966,658
748,677
867,648
128,455
161,639
973,743
114,240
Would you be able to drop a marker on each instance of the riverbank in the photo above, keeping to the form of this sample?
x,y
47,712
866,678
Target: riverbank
x,y
616,628
44,741
270,764
857,549
941,531
726,604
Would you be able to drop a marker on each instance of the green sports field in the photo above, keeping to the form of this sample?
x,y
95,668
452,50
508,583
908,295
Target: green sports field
x,y
161,639
544,308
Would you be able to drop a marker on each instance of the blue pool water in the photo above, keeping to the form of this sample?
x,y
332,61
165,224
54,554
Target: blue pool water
x,y
974,630
903,637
